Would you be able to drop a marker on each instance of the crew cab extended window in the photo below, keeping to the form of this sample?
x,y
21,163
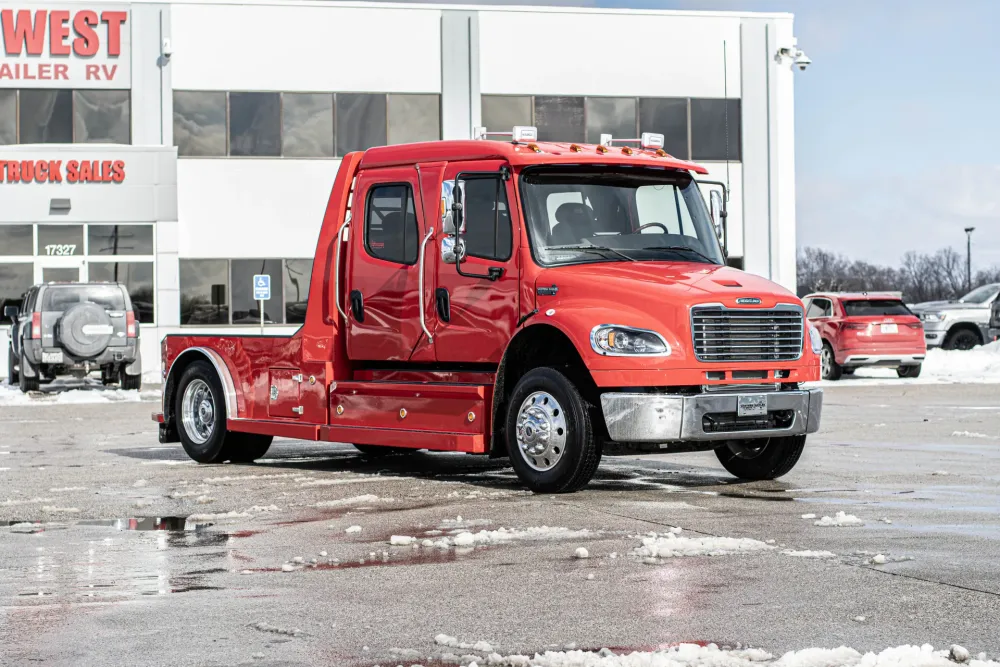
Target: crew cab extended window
x,y
588,214
391,224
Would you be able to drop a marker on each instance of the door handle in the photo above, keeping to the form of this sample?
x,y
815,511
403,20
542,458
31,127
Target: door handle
x,y
358,306
443,304
420,283
336,266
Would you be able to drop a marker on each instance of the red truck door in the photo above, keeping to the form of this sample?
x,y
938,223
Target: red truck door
x,y
476,315
381,297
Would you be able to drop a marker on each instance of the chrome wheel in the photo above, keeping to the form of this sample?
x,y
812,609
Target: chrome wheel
x,y
541,431
826,362
198,411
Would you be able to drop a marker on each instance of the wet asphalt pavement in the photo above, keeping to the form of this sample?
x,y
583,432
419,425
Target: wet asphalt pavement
x,y
105,561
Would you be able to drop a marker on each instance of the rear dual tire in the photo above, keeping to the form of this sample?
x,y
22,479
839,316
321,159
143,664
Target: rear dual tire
x,y
761,459
200,413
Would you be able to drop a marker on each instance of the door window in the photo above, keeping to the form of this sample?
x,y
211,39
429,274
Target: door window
x,y
487,219
391,224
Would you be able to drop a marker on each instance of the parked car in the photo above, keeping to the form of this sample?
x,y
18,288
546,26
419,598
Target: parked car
x,y
994,331
866,329
74,329
961,324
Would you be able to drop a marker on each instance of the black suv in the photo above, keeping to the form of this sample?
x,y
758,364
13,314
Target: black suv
x,y
74,329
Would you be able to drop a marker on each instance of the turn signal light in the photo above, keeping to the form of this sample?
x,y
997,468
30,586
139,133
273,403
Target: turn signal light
x,y
36,325
130,324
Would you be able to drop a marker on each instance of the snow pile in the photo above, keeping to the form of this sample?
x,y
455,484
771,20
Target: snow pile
x,y
464,538
694,655
971,434
809,554
979,365
839,520
669,545
347,502
85,393
452,642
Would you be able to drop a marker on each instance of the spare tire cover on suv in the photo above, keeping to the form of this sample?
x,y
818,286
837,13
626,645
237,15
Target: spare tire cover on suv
x,y
85,330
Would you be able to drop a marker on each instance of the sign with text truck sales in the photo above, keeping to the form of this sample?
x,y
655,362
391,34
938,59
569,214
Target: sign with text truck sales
x,y
65,46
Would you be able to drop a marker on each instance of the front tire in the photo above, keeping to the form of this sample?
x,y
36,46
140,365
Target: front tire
x,y
909,371
550,437
829,368
963,339
764,458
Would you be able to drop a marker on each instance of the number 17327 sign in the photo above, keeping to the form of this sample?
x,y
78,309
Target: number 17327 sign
x,y
60,249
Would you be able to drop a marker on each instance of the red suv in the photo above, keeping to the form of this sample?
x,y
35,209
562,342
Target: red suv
x,y
866,329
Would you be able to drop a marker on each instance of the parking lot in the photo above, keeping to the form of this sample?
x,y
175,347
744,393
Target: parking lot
x,y
119,549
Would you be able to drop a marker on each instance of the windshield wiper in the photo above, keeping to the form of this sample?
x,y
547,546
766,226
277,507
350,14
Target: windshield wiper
x,y
590,247
682,247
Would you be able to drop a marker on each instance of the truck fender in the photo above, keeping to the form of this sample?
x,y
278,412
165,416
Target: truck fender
x,y
190,355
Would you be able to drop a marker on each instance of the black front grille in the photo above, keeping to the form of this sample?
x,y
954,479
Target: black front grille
x,y
747,334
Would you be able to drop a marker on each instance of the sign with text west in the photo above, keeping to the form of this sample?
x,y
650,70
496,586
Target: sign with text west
x,y
65,46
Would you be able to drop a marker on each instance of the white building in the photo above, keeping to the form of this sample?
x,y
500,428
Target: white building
x,y
182,147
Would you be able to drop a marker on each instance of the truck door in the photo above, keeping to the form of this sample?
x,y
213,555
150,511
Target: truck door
x,y
477,312
381,296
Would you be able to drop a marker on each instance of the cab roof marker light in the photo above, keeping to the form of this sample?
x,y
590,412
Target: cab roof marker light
x,y
602,149
575,148
626,150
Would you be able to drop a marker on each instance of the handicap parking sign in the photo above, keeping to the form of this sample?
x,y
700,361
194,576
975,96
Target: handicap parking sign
x,y
261,287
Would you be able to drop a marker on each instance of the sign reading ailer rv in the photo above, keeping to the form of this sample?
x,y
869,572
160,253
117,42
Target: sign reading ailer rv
x,y
65,47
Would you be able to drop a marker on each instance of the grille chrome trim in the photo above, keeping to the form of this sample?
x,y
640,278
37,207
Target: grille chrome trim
x,y
723,334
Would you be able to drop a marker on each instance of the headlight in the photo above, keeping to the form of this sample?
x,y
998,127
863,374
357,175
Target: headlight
x,y
815,340
933,317
617,340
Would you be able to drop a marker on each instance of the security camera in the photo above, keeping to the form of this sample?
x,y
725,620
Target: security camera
x,y
167,48
802,61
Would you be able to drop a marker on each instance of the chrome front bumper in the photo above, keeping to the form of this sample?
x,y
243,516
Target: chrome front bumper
x,y
660,418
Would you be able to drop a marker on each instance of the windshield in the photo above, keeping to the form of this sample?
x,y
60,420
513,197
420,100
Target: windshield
x,y
583,214
981,294
875,308
62,298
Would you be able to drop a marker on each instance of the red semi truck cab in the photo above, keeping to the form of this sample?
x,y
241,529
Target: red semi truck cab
x,y
546,302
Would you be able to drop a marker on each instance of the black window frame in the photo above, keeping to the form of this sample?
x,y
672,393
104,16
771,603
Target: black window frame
x,y
416,219
465,177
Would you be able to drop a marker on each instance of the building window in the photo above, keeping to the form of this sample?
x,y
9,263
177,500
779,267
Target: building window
x,y
560,118
101,117
8,117
501,113
255,124
715,129
46,116
15,279
204,287
200,123
60,240
16,240
413,118
391,224
137,277
669,117
245,309
120,240
487,219
298,273
307,125
361,122
610,115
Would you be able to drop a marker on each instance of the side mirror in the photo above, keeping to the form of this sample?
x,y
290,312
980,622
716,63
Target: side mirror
x,y
452,222
11,312
717,204
457,211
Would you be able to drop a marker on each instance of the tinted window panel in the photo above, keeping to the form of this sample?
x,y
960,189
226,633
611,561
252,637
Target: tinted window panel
x,y
666,116
200,123
46,116
361,122
138,280
710,131
559,118
414,118
307,125
501,113
15,279
391,224
120,239
298,273
16,240
101,117
254,124
59,240
204,291
875,308
245,309
8,117
487,224
610,115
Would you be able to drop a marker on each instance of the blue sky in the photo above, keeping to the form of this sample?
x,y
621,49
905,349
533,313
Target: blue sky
x,y
897,122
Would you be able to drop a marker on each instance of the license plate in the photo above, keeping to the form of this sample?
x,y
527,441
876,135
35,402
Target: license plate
x,y
52,357
751,405
890,328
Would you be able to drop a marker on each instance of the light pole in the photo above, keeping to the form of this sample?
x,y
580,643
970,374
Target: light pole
x,y
968,258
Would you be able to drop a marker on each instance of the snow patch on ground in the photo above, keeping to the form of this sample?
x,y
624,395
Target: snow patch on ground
x,y
222,516
839,520
464,538
347,502
668,545
452,642
11,502
809,554
972,434
75,392
980,365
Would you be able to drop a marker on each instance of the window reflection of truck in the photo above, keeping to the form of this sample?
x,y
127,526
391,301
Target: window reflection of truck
x,y
548,302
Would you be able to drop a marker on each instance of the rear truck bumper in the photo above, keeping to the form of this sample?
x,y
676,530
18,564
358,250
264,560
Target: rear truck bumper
x,y
124,354
662,418
861,359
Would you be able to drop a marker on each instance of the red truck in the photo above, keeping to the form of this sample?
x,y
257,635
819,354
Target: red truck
x,y
546,302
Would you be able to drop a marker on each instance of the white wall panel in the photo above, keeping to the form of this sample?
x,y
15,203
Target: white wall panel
x,y
303,48
628,53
